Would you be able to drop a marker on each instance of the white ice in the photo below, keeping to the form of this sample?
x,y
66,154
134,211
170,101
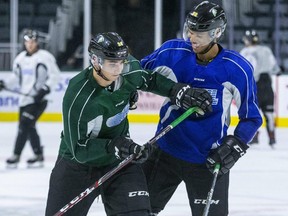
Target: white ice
x,y
258,185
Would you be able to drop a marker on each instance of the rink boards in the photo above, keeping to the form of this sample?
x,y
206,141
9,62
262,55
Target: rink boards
x,y
148,105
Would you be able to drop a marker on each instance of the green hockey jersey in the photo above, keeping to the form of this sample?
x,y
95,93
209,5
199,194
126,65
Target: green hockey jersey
x,y
93,115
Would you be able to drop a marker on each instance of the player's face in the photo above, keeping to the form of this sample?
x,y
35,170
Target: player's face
x,y
199,40
246,41
112,68
31,46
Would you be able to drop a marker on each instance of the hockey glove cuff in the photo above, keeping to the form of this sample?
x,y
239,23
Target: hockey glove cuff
x,y
186,97
2,85
122,147
133,100
227,154
41,93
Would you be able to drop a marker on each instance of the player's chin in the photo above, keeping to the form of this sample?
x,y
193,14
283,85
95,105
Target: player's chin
x,y
114,77
196,48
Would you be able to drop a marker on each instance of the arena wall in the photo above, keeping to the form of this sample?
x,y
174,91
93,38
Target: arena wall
x,y
148,105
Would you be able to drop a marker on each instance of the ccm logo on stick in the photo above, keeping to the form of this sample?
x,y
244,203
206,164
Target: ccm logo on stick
x,y
204,201
138,193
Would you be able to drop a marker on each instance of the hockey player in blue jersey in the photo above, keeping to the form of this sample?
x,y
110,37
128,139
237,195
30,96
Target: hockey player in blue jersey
x,y
190,152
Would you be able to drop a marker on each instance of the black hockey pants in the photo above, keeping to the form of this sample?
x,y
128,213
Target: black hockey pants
x,y
164,173
28,117
125,193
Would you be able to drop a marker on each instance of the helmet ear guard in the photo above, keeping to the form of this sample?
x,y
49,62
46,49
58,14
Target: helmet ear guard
x,y
216,34
97,64
185,33
96,61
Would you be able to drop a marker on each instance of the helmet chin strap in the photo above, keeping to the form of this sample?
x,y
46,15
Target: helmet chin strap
x,y
211,44
101,75
216,35
99,72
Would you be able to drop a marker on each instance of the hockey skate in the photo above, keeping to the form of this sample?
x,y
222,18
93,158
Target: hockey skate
x,y
255,139
13,161
272,140
36,161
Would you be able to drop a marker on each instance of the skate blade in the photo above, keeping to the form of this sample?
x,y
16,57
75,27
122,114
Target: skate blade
x,y
38,164
12,166
272,146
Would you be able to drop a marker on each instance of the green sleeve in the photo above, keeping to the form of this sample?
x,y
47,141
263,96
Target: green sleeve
x,y
158,84
148,80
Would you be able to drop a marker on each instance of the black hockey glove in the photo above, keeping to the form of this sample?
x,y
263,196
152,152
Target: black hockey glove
x,y
227,154
186,97
122,147
133,100
2,85
41,93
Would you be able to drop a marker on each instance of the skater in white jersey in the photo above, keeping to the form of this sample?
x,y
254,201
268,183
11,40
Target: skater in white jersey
x,y
34,74
265,65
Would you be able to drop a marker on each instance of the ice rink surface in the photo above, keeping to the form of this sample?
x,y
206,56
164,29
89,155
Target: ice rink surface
x,y
258,185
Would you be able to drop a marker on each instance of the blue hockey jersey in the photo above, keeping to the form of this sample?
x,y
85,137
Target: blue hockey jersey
x,y
227,77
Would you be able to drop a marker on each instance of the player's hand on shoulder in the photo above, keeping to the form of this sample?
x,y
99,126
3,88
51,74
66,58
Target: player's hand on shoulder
x,y
226,154
122,147
2,85
186,97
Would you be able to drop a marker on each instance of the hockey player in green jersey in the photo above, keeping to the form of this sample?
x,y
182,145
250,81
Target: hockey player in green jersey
x,y
95,137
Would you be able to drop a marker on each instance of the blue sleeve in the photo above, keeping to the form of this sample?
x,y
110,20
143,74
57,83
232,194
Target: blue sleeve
x,y
155,59
168,54
245,95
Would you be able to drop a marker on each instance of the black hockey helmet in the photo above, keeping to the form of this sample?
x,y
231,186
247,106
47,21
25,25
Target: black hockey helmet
x,y
108,46
251,37
206,16
30,34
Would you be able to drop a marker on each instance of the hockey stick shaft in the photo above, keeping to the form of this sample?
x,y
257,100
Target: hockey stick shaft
x,y
17,92
21,93
125,162
210,193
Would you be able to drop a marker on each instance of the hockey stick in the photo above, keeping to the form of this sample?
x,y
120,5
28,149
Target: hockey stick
x,y
17,92
125,162
21,93
210,193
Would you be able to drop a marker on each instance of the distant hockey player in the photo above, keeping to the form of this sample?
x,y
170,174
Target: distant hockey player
x,y
265,65
193,148
96,130
35,72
